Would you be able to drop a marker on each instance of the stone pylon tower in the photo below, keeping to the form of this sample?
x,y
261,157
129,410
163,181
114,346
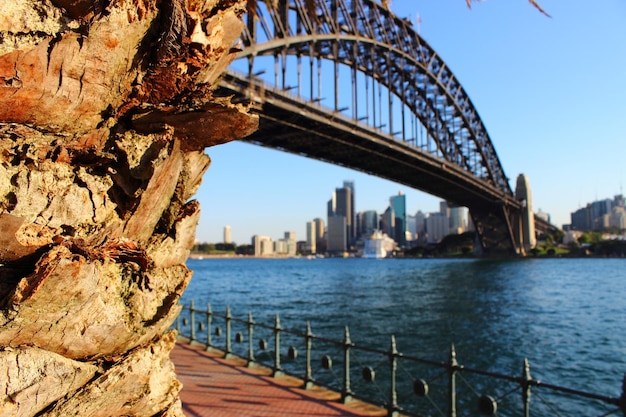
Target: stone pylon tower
x,y
526,232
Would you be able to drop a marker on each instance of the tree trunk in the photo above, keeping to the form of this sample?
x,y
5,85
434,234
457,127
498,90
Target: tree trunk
x,y
106,107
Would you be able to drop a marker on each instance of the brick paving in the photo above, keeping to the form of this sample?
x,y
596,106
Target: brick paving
x,y
218,387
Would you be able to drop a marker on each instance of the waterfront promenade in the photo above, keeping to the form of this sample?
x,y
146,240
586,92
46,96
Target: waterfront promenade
x,y
218,387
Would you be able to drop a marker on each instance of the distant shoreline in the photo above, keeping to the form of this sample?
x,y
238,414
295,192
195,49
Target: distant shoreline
x,y
200,256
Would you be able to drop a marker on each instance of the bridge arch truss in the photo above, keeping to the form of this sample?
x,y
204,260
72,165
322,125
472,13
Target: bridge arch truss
x,y
402,86
367,38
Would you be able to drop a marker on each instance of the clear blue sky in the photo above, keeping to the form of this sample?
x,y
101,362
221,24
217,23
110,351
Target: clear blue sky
x,y
551,92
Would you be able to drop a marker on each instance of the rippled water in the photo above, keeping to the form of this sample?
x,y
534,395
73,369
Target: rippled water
x,y
567,316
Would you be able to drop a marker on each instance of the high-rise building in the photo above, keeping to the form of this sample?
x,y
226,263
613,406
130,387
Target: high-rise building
x,y
331,206
398,205
581,219
344,208
320,235
617,218
595,215
227,238
311,238
342,204
263,245
420,226
388,222
437,226
600,208
368,222
337,237
457,219
351,216
286,246
444,208
410,227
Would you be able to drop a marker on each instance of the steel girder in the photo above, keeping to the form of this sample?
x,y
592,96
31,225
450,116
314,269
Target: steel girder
x,y
369,38
464,168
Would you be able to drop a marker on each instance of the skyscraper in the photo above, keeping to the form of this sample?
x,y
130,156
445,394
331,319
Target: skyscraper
x,y
227,238
369,222
341,204
420,226
344,207
311,239
457,219
398,204
352,232
320,238
387,222
336,238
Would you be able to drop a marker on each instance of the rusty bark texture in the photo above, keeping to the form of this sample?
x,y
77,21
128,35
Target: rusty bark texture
x,y
106,107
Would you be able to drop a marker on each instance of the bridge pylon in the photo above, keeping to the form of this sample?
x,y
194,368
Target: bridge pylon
x,y
524,231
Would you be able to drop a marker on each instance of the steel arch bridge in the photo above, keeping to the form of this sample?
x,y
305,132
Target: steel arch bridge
x,y
348,82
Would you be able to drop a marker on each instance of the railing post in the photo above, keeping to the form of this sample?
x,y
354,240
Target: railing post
x,y
346,393
209,317
250,344
229,349
192,321
525,382
277,369
308,340
392,409
452,368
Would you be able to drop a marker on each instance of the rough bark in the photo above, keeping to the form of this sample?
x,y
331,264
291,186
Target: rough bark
x,y
106,107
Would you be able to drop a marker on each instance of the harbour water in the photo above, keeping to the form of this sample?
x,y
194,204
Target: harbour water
x,y
567,316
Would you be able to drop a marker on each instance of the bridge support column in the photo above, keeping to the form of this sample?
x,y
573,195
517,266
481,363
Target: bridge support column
x,y
494,232
525,225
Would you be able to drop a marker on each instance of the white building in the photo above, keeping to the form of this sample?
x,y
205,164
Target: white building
x,y
263,245
311,238
286,246
437,227
227,237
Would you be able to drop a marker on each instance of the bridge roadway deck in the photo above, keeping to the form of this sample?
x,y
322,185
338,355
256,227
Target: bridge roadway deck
x,y
218,387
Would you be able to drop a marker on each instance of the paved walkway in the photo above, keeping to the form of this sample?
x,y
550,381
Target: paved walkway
x,y
213,386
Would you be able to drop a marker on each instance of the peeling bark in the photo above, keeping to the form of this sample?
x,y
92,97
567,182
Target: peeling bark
x,y
106,108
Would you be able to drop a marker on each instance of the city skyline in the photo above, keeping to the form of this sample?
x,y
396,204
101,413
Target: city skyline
x,y
339,209
227,230
546,89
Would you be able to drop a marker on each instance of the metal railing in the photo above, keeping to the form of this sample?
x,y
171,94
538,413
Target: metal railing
x,y
402,384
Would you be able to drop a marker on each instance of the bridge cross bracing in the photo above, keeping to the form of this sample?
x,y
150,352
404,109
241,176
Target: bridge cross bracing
x,y
348,82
